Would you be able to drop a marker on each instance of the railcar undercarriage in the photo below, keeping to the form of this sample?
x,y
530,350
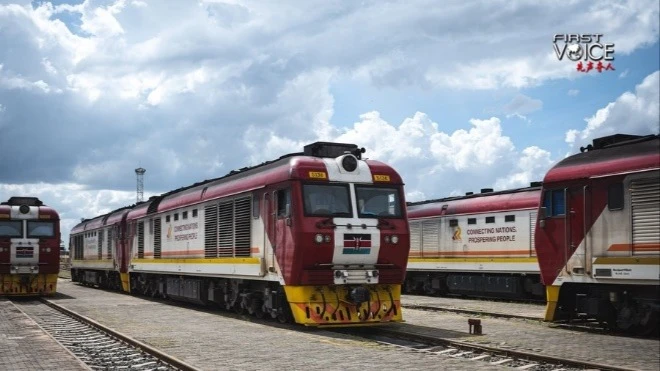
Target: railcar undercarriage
x,y
626,308
490,285
319,305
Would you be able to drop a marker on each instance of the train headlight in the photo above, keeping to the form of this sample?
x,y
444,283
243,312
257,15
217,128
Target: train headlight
x,y
387,239
24,209
318,238
48,249
326,238
395,239
349,163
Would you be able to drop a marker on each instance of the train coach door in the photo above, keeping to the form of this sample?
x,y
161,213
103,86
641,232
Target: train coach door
x,y
575,228
556,221
113,246
586,228
269,231
281,222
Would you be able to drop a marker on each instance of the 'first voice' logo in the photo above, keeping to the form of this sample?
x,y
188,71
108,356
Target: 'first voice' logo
x,y
587,50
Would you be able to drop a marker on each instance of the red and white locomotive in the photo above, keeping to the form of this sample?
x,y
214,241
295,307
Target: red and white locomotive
x,y
319,237
475,245
598,233
29,247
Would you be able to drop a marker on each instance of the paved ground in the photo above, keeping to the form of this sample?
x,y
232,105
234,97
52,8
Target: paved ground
x,y
535,336
215,342
533,311
24,346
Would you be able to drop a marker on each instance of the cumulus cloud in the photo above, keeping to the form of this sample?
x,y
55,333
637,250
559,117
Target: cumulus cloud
x,y
193,90
435,163
630,113
531,166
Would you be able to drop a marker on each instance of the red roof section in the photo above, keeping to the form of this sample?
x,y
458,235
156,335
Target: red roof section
x,y
478,204
610,166
138,211
116,216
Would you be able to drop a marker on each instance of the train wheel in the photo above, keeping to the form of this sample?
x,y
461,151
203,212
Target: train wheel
x,y
648,323
238,308
284,315
256,307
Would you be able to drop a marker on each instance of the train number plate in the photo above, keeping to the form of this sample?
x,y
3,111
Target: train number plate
x,y
317,175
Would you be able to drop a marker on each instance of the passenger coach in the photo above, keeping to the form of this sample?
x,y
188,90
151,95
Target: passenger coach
x,y
476,245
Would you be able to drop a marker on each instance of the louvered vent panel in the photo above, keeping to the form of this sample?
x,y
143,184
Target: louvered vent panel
x,y
645,202
242,218
100,243
157,237
109,243
532,231
415,238
140,233
430,236
211,231
226,229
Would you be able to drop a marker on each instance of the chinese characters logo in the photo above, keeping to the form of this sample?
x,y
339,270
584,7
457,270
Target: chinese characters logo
x,y
590,53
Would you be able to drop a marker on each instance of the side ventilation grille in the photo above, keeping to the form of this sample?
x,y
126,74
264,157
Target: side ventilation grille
x,y
100,244
227,228
157,244
140,232
109,243
211,231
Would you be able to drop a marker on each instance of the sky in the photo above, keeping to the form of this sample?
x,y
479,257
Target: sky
x,y
455,95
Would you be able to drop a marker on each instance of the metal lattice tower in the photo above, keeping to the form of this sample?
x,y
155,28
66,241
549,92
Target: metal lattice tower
x,y
140,183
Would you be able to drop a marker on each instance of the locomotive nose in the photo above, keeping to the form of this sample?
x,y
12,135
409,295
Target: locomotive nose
x,y
359,295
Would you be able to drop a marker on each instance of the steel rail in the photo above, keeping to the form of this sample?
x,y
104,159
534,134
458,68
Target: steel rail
x,y
428,339
471,312
172,361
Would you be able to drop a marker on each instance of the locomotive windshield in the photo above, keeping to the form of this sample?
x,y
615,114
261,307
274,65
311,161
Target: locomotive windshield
x,y
327,200
11,228
40,229
377,202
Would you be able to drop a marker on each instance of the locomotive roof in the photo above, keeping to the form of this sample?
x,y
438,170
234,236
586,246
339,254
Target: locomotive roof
x,y
512,199
630,154
272,171
30,201
101,220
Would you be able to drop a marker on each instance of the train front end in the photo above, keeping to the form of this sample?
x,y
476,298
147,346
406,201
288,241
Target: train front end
x,y
352,242
29,247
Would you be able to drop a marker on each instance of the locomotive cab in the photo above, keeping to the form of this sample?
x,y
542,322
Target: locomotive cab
x,y
29,247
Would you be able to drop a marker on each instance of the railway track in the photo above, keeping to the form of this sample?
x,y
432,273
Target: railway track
x,y
98,346
470,312
582,325
419,339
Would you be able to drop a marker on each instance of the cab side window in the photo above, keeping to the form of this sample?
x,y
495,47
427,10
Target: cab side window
x,y
553,201
283,203
615,196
